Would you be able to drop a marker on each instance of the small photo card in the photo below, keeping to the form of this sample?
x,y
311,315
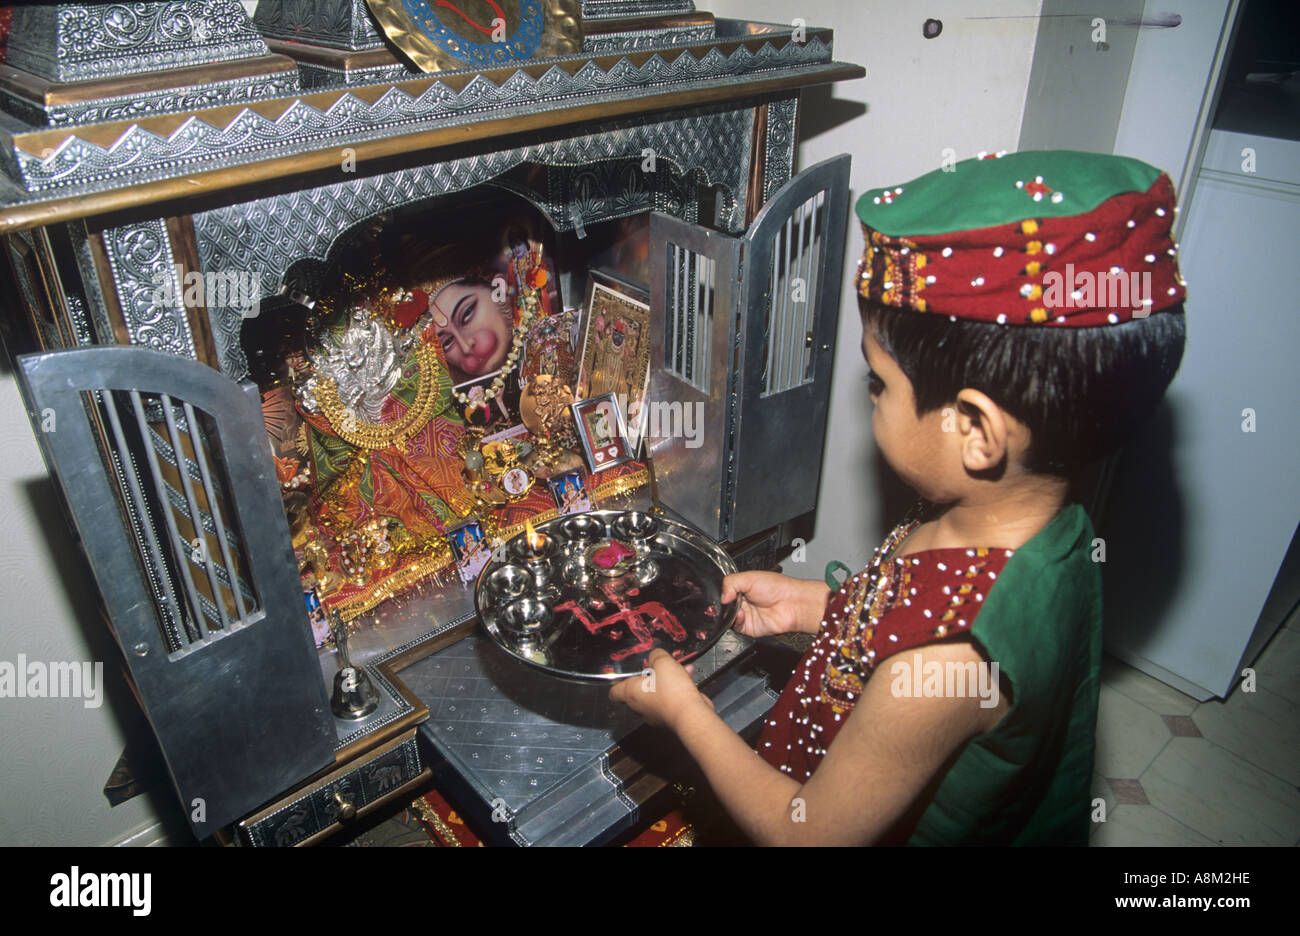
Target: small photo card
x,y
469,545
570,493
602,431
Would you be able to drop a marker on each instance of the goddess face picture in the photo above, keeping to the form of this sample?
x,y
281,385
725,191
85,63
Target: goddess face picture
x,y
474,329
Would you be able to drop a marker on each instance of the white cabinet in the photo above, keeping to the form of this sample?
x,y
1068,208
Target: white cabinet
x,y
1205,506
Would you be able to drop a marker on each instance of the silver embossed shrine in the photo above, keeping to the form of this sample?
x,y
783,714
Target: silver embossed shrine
x,y
333,302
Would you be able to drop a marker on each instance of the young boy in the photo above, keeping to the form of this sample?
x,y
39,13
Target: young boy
x,y
1021,317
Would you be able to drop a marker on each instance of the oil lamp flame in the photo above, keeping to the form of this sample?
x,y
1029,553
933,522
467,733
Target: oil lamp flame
x,y
536,541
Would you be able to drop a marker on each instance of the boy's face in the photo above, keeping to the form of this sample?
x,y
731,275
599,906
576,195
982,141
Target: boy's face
x,y
916,447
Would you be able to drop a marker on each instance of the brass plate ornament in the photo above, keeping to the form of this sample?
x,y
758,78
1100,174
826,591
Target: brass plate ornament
x,y
450,35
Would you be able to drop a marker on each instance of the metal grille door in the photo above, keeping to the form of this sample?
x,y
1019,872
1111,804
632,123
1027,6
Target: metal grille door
x,y
688,423
166,469
790,294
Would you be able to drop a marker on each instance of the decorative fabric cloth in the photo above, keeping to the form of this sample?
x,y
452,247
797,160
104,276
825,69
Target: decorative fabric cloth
x,y
1027,781
1033,238
446,827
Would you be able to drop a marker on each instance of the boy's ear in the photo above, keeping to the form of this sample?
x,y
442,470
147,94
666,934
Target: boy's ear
x,y
984,430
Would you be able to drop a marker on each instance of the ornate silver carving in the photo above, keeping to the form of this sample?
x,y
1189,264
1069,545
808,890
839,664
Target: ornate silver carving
x,y
80,320
101,328
316,76
604,9
335,24
76,42
268,236
606,189
635,40
140,155
781,117
214,94
364,362
317,810
140,256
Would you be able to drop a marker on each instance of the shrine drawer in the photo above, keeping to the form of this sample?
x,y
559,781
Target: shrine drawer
x,y
340,798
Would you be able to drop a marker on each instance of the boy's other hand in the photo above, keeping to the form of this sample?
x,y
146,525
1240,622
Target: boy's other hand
x,y
771,603
662,693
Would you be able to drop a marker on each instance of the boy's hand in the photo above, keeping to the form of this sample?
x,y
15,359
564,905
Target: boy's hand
x,y
775,604
662,693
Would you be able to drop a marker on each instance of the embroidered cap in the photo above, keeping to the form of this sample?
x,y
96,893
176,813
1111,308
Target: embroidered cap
x,y
1035,238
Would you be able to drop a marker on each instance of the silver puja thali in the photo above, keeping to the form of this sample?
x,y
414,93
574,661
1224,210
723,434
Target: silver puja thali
x,y
602,590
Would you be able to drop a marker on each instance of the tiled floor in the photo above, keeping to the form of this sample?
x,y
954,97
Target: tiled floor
x,y
1173,771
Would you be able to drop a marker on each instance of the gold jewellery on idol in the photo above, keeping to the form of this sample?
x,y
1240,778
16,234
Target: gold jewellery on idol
x,y
367,435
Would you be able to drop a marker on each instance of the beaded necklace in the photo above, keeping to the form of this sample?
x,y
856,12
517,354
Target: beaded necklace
x,y
872,590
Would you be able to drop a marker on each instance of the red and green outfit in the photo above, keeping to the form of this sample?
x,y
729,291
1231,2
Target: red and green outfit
x,y
1036,612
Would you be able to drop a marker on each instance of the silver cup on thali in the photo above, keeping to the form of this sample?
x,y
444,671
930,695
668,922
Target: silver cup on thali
x,y
536,552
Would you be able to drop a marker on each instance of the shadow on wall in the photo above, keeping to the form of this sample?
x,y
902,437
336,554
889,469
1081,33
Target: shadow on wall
x,y
1143,526
72,574
821,112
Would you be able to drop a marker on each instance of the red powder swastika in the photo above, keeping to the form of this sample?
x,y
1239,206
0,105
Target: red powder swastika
x,y
641,621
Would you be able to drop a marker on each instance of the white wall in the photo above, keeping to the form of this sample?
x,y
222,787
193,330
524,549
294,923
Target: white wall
x,y
55,754
963,90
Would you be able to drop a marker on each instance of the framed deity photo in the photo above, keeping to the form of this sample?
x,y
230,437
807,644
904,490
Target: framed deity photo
x,y
570,493
602,432
615,355
469,546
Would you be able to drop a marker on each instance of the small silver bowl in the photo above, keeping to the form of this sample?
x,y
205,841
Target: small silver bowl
x,y
575,571
582,529
525,617
509,582
635,526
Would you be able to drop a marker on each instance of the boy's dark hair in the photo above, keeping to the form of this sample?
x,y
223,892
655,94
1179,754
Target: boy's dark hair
x,y
1081,392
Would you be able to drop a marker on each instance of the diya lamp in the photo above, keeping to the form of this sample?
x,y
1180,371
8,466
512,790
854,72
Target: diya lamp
x,y
579,532
638,530
534,551
508,583
526,619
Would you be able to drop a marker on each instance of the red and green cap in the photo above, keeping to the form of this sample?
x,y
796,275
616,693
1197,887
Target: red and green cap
x,y
1036,238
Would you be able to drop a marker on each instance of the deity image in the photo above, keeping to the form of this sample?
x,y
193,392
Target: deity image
x,y
570,494
598,428
472,327
616,355
417,337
